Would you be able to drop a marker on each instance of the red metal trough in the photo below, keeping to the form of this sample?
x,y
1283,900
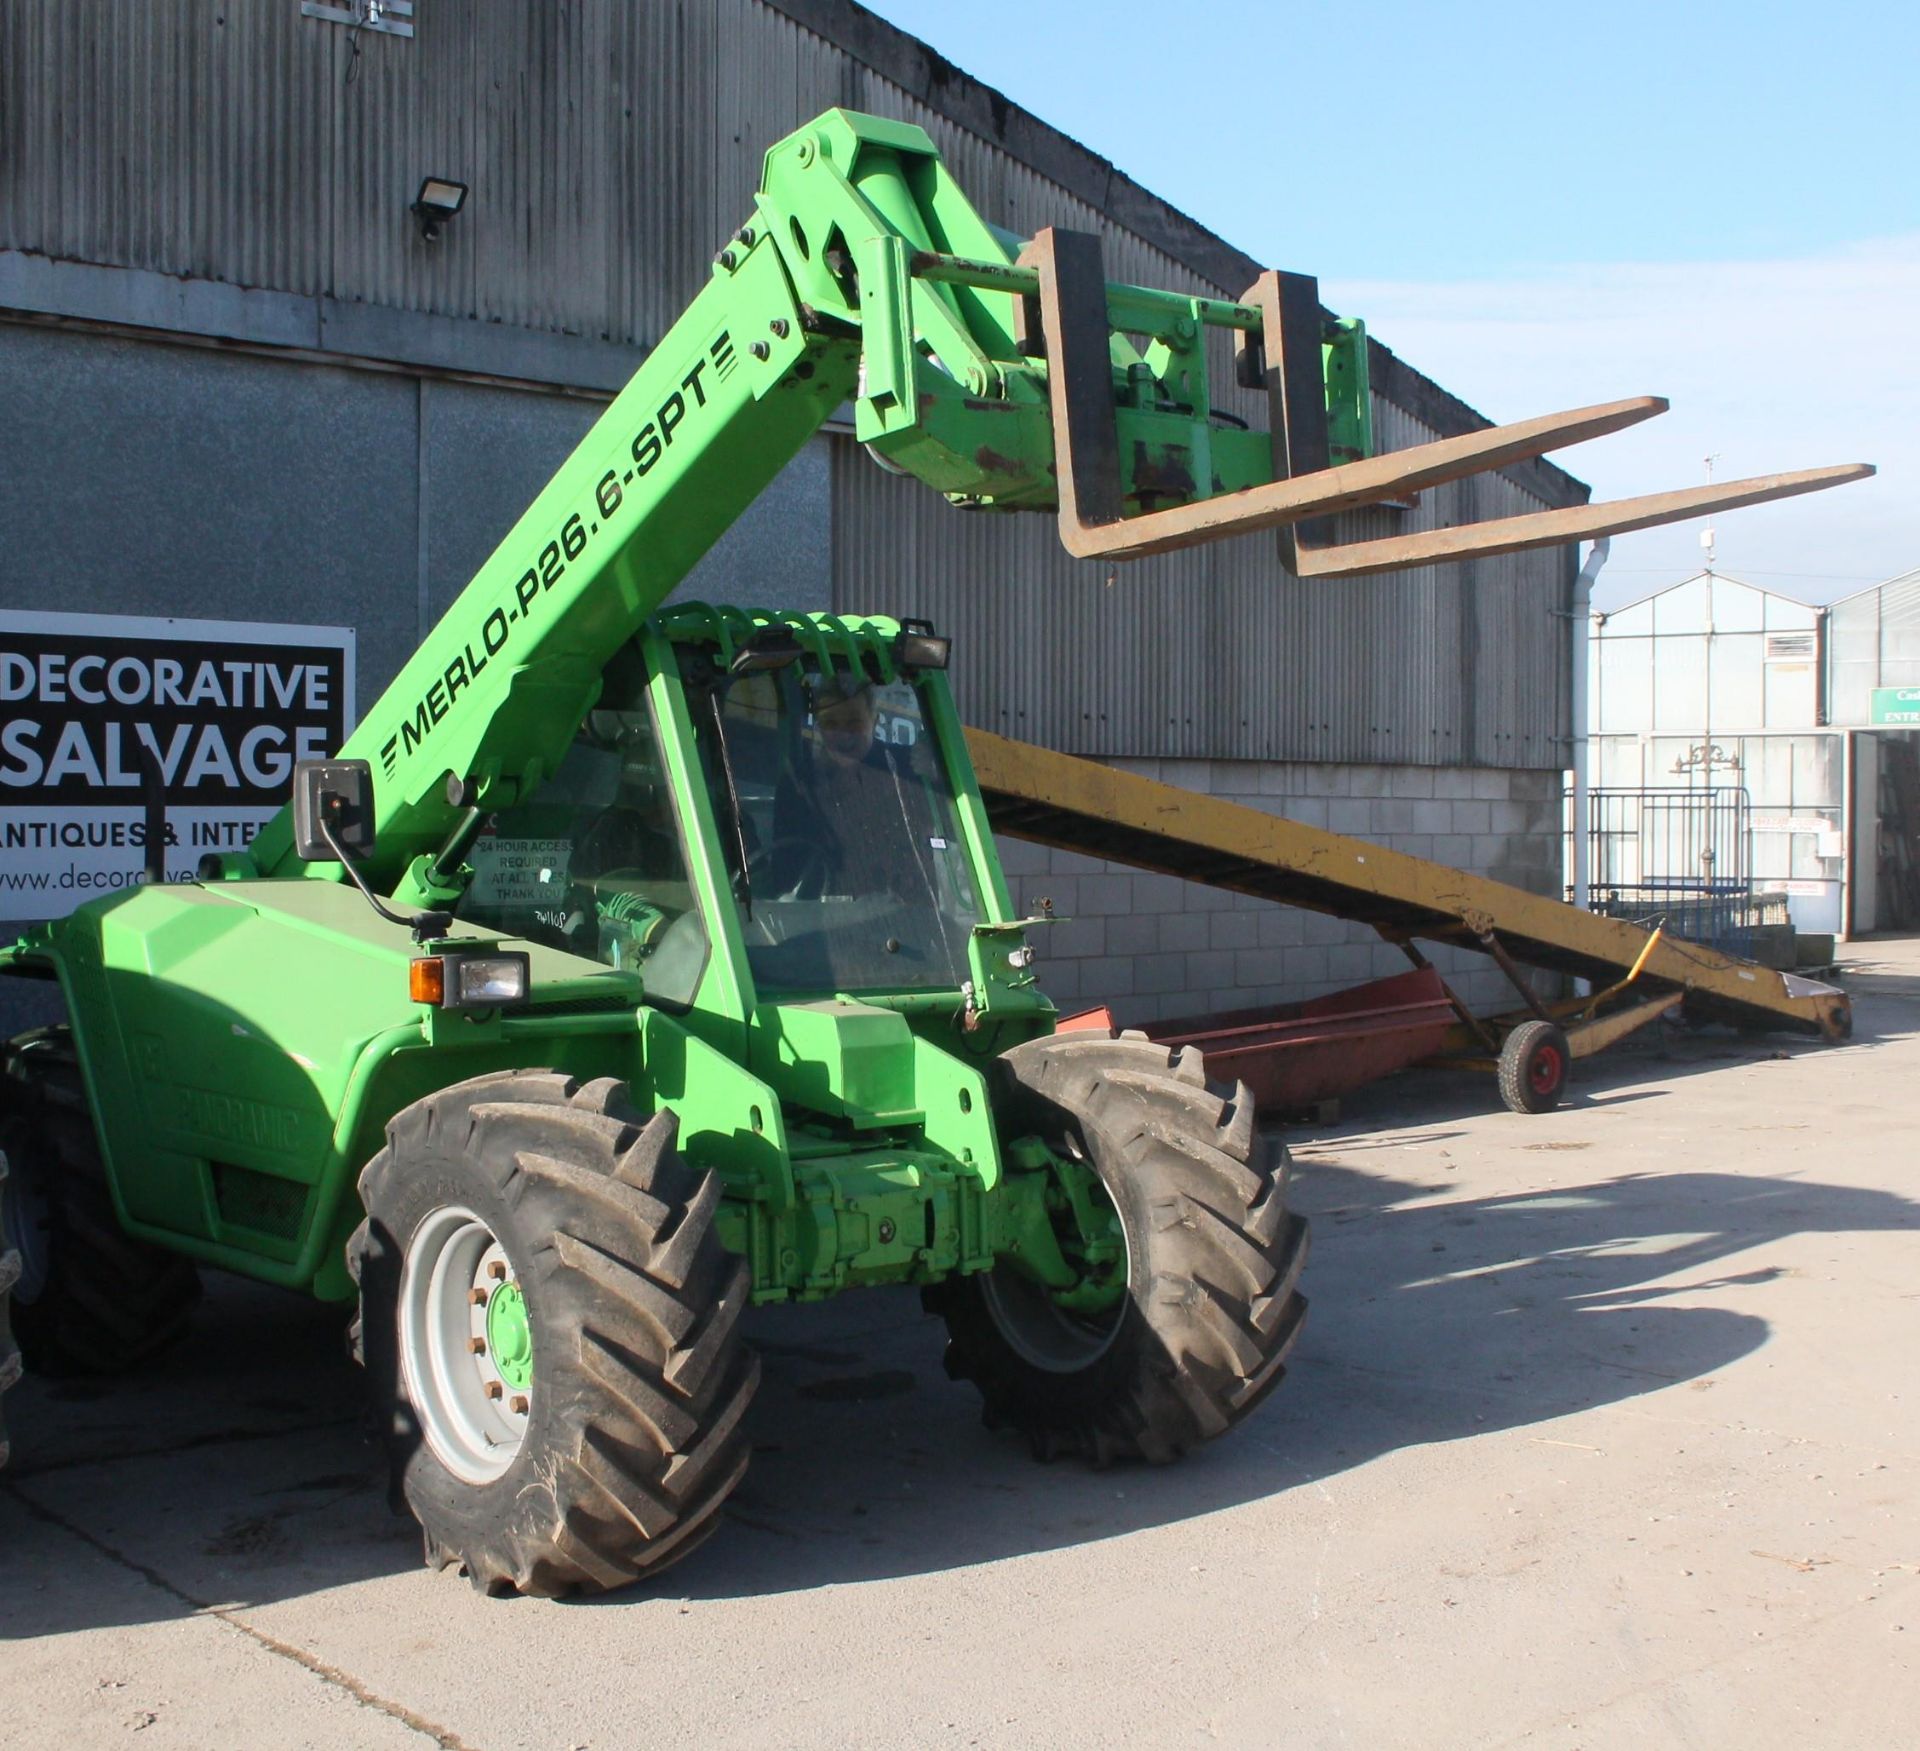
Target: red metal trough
x,y
1294,1054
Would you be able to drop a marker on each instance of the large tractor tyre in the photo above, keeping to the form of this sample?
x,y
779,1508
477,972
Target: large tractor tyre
x,y
9,1350
90,1298
1533,1067
550,1330
1213,1260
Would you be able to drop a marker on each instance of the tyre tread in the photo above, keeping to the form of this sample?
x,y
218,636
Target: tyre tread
x,y
1517,1092
9,1350
1223,1307
111,1301
658,1383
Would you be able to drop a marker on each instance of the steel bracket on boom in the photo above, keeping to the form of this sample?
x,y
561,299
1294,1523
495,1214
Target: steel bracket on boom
x,y
1307,490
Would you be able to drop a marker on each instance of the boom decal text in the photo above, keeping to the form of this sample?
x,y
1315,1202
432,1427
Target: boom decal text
x,y
579,529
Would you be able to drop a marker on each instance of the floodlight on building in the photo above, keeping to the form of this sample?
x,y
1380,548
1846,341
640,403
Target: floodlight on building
x,y
439,199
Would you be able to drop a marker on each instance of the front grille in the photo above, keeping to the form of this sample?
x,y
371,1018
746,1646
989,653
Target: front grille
x,y
572,1006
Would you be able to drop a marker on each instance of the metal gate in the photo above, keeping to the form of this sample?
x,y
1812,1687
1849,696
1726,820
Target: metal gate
x,y
1679,857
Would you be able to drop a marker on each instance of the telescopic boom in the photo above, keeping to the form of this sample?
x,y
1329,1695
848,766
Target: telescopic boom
x,y
1003,377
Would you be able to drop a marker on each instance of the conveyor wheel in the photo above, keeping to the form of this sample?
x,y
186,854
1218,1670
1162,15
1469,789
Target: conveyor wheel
x,y
1533,1067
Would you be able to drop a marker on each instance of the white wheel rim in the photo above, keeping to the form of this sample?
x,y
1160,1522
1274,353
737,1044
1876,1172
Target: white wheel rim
x,y
472,1418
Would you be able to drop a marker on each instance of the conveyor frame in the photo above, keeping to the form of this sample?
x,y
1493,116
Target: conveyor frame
x,y
1079,805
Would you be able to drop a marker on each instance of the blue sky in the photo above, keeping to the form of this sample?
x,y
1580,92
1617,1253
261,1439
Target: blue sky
x,y
1541,207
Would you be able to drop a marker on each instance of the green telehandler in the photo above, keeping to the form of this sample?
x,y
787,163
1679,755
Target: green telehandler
x,y
631,966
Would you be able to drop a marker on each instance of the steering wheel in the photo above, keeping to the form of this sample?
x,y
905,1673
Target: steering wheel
x,y
807,858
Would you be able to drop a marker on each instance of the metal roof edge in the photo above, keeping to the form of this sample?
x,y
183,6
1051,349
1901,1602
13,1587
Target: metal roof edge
x,y
1910,576
1722,577
145,304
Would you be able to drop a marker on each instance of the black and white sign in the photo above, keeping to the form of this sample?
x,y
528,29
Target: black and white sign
x,y
90,702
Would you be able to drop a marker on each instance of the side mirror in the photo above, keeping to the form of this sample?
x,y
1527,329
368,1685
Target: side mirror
x,y
338,793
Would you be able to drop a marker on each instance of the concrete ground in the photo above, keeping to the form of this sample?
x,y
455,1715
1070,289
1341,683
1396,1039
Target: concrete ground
x,y
1604,1431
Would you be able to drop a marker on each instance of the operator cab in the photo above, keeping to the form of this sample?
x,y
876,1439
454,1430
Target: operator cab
x,y
596,863
835,835
835,813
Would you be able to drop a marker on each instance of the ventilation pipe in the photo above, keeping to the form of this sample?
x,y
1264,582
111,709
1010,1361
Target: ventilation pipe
x,y
1582,621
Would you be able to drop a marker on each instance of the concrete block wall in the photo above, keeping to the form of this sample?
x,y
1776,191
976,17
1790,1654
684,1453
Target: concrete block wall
x,y
1150,945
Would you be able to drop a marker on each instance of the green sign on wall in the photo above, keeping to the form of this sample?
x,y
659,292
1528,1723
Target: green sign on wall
x,y
1895,705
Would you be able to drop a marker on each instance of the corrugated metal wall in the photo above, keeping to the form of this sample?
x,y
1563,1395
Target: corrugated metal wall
x,y
1218,652
609,149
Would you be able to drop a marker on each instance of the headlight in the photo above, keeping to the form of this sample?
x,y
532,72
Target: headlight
x,y
918,646
468,981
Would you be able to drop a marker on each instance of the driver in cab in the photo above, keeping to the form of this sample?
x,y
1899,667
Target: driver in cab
x,y
852,812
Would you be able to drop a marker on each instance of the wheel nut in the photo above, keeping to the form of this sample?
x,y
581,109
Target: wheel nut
x,y
519,1405
477,1297
477,1345
496,1270
494,1389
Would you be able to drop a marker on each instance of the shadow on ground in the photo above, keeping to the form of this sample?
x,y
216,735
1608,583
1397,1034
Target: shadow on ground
x,y
236,1473
1886,1007
1431,1321
1885,993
